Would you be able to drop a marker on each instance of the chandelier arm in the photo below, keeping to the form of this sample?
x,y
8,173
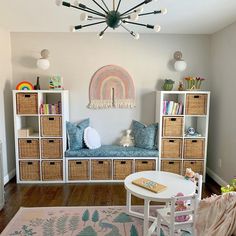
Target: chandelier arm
x,y
95,18
118,5
105,5
90,9
140,4
130,31
83,26
100,6
140,24
67,4
150,13
103,31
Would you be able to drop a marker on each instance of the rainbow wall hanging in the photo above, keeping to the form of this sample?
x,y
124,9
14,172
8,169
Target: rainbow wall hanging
x,y
24,85
111,86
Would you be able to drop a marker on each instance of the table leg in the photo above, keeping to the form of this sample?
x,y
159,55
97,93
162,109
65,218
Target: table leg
x,y
128,201
146,217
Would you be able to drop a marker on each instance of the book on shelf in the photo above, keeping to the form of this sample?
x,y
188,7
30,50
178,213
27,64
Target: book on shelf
x,y
47,109
149,185
172,108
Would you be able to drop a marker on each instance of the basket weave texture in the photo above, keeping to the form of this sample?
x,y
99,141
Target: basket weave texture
x,y
194,148
27,103
51,126
171,148
142,165
101,169
196,166
51,148
172,126
122,168
52,170
29,148
171,166
78,170
29,170
196,104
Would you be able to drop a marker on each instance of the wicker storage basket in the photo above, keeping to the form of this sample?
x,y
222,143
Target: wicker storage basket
x,y
29,170
172,126
171,166
196,166
51,148
142,165
27,103
101,169
171,148
52,170
122,168
51,126
196,104
29,148
78,169
194,148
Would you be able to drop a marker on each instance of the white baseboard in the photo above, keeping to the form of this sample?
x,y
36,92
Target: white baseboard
x,y
9,176
216,177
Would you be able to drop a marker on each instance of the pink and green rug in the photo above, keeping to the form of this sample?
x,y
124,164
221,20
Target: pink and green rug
x,y
74,221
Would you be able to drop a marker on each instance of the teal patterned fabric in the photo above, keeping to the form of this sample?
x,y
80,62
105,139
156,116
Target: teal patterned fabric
x,y
112,151
75,133
144,136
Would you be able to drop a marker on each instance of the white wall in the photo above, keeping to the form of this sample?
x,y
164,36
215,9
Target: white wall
x,y
6,118
77,56
222,141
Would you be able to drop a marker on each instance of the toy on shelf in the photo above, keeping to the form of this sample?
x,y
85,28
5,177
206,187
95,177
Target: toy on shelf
x,y
56,82
127,140
24,85
181,206
189,174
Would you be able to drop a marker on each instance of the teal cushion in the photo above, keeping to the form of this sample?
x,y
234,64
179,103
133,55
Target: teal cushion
x,y
144,136
75,133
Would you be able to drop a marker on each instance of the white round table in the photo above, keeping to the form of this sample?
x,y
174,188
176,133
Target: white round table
x,y
174,183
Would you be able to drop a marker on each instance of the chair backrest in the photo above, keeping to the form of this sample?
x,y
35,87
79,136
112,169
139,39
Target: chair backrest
x,y
198,184
184,217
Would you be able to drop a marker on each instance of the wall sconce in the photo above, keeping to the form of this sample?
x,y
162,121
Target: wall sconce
x,y
180,64
43,62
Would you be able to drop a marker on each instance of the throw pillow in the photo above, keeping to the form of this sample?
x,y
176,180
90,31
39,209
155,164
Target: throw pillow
x,y
75,133
144,136
92,138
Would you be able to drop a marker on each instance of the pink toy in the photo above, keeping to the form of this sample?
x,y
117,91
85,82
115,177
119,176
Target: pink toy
x,y
189,174
180,206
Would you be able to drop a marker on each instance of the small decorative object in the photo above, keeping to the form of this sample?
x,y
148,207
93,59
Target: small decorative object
x,y
181,206
191,131
111,86
181,86
112,17
43,62
127,140
56,82
194,83
92,138
230,187
168,85
37,85
189,174
180,64
24,85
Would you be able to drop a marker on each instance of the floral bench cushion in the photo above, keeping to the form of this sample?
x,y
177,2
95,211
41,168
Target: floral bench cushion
x,y
113,151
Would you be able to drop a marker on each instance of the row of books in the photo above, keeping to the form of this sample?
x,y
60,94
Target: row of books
x,y
172,108
50,108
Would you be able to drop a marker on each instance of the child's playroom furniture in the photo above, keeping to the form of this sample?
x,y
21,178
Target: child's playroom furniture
x,y
174,183
40,135
183,130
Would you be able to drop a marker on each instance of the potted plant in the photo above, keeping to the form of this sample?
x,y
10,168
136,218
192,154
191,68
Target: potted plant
x,y
168,85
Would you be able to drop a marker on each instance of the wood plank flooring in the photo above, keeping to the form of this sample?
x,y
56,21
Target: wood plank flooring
x,y
44,195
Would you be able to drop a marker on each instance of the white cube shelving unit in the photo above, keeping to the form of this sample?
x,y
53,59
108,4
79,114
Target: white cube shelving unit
x,y
177,149
37,161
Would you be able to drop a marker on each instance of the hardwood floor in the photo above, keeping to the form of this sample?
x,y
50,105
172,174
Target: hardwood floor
x,y
44,195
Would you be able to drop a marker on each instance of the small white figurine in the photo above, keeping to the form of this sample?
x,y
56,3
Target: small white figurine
x,y
127,139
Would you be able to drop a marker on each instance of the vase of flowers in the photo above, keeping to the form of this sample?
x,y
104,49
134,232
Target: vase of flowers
x,y
168,85
193,83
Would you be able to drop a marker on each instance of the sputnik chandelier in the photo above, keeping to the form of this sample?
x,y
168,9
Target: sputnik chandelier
x,y
112,17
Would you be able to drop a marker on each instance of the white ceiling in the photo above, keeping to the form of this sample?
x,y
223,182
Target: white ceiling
x,y
184,16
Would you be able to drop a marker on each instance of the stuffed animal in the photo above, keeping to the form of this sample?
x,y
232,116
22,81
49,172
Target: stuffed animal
x,y
127,139
189,174
181,206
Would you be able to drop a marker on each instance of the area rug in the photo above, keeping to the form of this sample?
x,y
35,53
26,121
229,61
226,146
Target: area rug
x,y
76,221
